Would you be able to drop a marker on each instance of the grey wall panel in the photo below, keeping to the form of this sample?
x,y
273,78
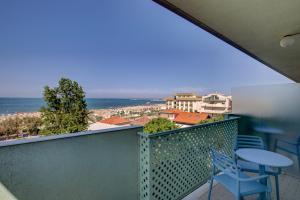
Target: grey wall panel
x,y
93,166
272,111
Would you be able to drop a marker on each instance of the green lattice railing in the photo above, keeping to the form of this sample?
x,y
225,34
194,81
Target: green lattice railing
x,y
174,163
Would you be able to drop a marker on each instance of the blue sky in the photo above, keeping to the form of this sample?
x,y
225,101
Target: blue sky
x,y
132,48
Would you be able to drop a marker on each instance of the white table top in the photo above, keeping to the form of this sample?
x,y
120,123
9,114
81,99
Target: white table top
x,y
268,130
263,157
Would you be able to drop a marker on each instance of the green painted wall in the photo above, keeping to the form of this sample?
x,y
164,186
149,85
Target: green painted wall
x,y
98,165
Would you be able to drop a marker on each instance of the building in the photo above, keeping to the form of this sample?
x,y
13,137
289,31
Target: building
x,y
141,121
99,126
216,104
189,102
183,118
187,118
169,113
115,120
112,122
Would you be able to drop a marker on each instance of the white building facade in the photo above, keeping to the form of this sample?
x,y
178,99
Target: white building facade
x,y
188,102
214,103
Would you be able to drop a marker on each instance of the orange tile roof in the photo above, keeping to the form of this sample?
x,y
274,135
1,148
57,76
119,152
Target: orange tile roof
x,y
116,120
190,118
141,121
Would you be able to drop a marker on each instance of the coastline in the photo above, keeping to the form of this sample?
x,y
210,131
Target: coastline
x,y
95,116
12,106
101,112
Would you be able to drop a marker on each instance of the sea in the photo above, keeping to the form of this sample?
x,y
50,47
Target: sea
x,y
19,105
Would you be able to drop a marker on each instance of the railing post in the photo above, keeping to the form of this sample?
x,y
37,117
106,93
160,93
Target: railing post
x,y
145,166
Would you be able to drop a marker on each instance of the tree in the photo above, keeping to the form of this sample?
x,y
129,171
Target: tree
x,y
66,109
159,125
213,119
31,125
13,126
10,126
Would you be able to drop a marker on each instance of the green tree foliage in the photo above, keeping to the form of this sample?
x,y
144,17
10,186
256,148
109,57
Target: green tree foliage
x,y
213,119
66,109
159,125
219,141
13,126
31,125
10,126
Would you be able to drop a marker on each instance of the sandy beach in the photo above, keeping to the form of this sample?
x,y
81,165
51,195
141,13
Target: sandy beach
x,y
103,113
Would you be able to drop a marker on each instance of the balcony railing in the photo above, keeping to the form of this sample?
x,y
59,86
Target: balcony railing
x,y
89,165
94,165
174,163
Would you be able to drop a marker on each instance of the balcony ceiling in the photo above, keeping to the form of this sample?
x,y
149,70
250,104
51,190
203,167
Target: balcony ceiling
x,y
253,26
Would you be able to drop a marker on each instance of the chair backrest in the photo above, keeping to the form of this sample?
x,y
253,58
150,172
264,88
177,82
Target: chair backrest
x,y
224,163
249,141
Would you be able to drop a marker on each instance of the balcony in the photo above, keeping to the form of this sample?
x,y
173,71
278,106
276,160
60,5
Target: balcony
x,y
288,190
121,163
124,163
213,105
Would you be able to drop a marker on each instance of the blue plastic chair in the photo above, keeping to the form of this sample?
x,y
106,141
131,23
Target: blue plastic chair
x,y
289,147
235,181
249,141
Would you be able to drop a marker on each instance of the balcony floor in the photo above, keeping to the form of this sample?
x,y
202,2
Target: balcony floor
x,y
289,190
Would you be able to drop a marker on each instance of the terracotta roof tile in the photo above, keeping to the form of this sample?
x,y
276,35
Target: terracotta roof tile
x,y
141,121
116,120
190,118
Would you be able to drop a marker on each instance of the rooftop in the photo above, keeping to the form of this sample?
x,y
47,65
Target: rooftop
x,y
183,98
186,94
141,121
183,117
190,118
116,120
99,125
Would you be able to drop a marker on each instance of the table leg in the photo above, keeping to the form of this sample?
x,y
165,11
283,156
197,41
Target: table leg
x,y
262,170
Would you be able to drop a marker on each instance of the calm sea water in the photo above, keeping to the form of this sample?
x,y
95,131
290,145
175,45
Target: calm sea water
x,y
14,105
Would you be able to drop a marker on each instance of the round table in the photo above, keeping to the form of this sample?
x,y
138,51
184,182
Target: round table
x,y
264,158
268,130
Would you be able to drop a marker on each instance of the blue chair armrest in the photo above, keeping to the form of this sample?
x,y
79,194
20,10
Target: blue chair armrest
x,y
253,178
244,177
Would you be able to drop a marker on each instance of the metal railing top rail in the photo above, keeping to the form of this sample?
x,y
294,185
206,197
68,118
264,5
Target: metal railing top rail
x,y
63,136
164,133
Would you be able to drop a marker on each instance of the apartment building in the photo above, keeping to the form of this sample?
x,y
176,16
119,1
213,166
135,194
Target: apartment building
x,y
214,103
189,102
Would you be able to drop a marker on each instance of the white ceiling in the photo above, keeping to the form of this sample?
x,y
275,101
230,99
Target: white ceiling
x,y
253,26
